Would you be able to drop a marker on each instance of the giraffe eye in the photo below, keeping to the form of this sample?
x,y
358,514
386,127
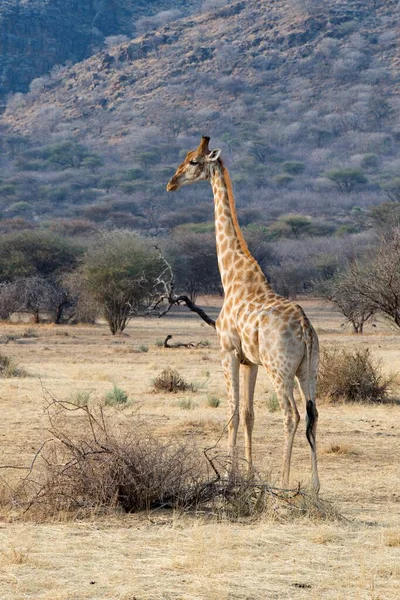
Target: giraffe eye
x,y
193,162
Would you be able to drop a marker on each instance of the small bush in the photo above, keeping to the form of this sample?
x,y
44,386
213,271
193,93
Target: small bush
x,y
30,333
352,377
172,382
116,396
80,398
273,403
160,343
143,348
8,368
186,404
213,401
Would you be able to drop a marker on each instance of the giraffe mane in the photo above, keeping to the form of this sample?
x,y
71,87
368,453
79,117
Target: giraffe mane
x,y
232,205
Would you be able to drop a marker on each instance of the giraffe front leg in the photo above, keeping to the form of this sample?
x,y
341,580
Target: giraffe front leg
x,y
249,377
231,365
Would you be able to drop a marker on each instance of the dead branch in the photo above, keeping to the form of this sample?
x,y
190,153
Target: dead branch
x,y
166,282
200,344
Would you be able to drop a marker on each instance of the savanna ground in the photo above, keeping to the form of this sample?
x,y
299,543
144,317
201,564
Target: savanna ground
x,y
165,555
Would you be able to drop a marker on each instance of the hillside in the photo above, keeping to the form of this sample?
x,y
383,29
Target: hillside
x,y
35,35
301,96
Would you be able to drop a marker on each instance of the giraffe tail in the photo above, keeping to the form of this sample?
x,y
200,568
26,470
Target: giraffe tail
x,y
311,410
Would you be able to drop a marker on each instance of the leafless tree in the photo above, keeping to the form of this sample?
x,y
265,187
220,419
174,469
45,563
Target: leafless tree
x,y
377,281
342,293
33,295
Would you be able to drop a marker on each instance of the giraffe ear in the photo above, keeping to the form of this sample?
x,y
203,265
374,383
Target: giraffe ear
x,y
214,155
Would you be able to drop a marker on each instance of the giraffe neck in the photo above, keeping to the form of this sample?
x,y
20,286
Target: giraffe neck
x,y
236,264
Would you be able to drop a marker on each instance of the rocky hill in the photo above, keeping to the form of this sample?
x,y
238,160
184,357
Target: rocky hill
x,y
35,35
301,95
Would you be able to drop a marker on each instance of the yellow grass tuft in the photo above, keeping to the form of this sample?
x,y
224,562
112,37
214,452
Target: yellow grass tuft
x,y
392,539
339,449
14,556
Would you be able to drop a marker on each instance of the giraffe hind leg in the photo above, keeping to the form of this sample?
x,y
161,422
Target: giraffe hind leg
x,y
291,420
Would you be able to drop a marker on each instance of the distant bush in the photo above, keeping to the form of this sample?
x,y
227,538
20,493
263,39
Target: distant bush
x,y
80,398
8,368
143,348
352,376
293,167
283,179
346,179
213,401
186,404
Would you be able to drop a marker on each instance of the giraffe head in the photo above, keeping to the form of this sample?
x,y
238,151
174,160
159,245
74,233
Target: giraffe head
x,y
195,167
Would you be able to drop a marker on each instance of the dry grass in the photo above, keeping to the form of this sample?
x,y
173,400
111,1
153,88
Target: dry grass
x,y
392,539
167,555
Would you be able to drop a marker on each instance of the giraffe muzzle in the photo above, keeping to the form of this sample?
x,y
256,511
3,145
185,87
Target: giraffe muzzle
x,y
172,184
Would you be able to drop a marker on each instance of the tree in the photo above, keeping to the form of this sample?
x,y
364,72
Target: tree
x,y
346,179
120,271
36,253
377,280
32,295
392,188
385,215
342,293
194,262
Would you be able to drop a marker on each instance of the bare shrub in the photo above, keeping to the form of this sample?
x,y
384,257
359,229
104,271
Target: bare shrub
x,y
93,463
169,380
352,377
100,466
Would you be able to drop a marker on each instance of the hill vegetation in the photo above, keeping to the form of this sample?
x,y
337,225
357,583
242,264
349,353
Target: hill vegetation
x,y
301,95
35,35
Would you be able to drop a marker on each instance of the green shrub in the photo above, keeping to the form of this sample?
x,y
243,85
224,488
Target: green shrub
x,y
283,179
116,396
273,403
213,401
186,404
293,167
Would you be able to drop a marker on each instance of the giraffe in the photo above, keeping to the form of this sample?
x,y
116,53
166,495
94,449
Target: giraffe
x,y
256,326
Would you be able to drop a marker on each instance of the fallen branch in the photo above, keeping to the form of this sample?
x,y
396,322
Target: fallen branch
x,y
183,344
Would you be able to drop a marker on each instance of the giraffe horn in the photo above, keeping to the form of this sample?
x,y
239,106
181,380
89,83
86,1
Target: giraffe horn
x,y
203,146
